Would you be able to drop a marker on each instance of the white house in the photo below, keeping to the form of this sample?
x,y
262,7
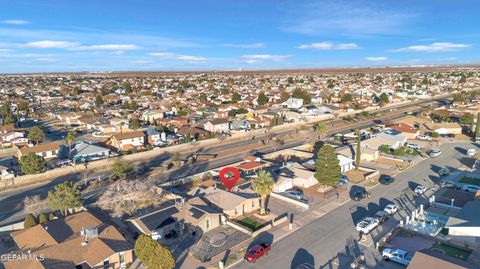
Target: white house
x,y
295,103
217,125
465,226
346,164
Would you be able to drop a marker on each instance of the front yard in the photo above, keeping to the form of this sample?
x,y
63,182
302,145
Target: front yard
x,y
250,224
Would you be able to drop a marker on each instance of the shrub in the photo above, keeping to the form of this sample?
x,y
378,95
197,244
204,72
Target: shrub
x,y
30,221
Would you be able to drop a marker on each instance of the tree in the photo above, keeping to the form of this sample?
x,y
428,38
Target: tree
x,y
51,216
383,98
236,97
284,95
262,99
133,105
176,158
127,196
302,94
263,185
320,130
328,169
23,106
358,152
459,98
99,100
34,205
477,125
29,221
5,110
36,134
135,124
70,138
232,113
32,163
466,119
42,218
152,254
121,168
347,97
64,196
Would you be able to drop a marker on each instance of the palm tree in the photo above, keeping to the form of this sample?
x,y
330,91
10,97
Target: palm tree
x,y
70,138
320,130
263,185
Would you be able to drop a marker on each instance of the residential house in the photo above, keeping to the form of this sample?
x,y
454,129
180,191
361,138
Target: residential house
x,y
12,138
47,150
217,125
390,138
242,124
128,141
5,173
82,151
406,130
464,228
444,128
75,241
295,103
179,216
367,154
152,115
192,132
153,137
302,176
346,164
232,204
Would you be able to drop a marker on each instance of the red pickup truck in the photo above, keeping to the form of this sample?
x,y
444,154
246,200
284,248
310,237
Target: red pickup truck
x,y
256,252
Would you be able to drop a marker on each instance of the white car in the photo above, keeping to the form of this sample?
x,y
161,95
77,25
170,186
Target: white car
x,y
471,152
412,146
397,255
419,190
367,225
470,188
424,137
294,194
434,153
391,209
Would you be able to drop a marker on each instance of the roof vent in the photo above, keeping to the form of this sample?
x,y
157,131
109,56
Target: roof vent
x,y
84,243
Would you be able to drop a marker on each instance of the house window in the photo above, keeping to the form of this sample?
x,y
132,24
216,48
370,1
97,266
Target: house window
x,y
106,264
122,258
236,211
44,154
208,224
253,204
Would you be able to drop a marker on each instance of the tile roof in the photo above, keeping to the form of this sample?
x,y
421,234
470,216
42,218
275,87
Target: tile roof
x,y
42,147
128,135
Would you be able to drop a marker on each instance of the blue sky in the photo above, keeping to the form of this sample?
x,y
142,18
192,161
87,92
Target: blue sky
x,y
104,35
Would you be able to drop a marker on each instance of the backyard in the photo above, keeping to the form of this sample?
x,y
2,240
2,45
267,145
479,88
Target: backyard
x,y
452,251
470,181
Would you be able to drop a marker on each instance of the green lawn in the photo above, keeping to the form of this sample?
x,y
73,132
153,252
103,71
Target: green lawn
x,y
470,181
250,224
453,251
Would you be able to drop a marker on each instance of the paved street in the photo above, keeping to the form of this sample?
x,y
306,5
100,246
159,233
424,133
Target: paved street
x,y
334,234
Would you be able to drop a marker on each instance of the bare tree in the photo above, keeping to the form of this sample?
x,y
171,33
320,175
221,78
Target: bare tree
x,y
126,197
34,205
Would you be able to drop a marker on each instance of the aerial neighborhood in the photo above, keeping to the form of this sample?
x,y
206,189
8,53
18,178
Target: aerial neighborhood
x,y
129,170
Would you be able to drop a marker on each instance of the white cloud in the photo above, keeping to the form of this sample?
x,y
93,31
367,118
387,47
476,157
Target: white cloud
x,y
14,22
245,46
49,44
179,57
114,47
326,45
376,59
434,47
270,57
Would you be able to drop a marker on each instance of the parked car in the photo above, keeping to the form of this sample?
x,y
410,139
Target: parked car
x,y
412,145
471,152
367,224
449,184
434,153
444,171
397,255
360,194
294,194
391,209
305,266
256,252
386,180
424,137
343,180
419,190
470,188
382,216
